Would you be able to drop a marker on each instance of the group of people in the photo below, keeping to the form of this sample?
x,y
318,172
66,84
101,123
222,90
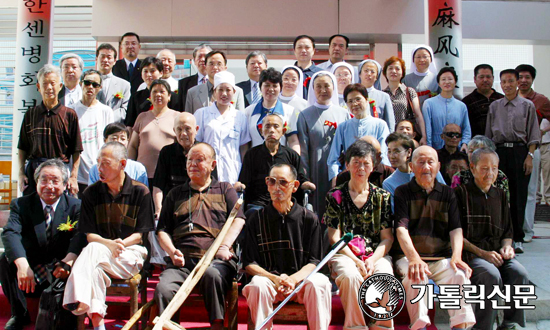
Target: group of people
x,y
431,187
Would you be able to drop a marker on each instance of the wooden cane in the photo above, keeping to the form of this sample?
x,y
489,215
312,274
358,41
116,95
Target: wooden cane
x,y
195,276
135,318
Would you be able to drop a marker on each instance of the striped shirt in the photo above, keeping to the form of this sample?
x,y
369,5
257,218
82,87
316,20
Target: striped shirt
x,y
429,218
195,218
131,211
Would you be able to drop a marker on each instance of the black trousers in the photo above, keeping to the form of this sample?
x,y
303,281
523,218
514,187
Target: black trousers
x,y
16,297
216,281
511,163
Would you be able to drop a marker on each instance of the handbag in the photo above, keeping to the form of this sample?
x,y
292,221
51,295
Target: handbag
x,y
410,116
51,314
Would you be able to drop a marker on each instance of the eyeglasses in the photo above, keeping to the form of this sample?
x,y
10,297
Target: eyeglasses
x,y
89,82
271,181
453,135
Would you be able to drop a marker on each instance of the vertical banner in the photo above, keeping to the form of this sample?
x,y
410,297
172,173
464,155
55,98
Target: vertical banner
x,y
33,51
445,36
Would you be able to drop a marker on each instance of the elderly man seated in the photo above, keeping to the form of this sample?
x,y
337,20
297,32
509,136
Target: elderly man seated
x,y
452,134
283,246
258,161
488,238
428,228
192,216
38,231
116,212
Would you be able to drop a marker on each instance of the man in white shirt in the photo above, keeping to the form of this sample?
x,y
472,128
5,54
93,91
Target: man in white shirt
x,y
93,116
199,78
256,62
168,59
71,66
129,68
115,91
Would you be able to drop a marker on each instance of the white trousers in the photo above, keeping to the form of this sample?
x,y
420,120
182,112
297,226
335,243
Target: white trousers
x,y
92,272
348,279
442,273
531,204
316,295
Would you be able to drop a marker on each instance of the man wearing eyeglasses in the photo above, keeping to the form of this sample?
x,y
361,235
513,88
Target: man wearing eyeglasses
x,y
129,68
191,218
283,246
93,117
451,136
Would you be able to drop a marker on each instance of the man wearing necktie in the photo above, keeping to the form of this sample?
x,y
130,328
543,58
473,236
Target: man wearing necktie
x,y
256,62
115,92
129,68
41,229
199,78
71,66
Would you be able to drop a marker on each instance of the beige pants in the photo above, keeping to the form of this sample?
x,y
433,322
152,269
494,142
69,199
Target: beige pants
x,y
316,295
442,273
348,279
92,272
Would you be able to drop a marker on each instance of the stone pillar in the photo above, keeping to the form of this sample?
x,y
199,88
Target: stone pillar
x,y
33,51
445,36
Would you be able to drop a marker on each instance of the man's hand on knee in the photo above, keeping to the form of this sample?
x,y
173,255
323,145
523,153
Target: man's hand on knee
x,y
457,263
418,270
25,276
116,246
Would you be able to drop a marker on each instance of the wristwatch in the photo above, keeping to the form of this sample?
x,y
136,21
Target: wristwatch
x,y
531,154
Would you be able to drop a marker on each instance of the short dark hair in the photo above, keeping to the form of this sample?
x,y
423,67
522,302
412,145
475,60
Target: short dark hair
x,y
90,72
361,148
341,36
458,156
271,75
392,60
527,67
445,70
130,34
303,36
355,88
254,54
509,71
154,61
161,82
408,121
483,66
115,128
214,52
293,171
105,46
405,141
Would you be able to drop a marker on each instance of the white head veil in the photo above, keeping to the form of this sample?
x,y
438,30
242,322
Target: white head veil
x,y
432,68
300,89
376,84
312,99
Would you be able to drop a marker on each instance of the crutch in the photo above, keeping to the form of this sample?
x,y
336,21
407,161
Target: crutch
x,y
163,321
333,250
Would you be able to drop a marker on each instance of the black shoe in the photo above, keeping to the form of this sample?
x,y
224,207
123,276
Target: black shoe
x,y
17,322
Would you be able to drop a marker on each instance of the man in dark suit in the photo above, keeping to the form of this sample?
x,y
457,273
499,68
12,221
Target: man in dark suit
x,y
185,84
256,62
71,66
40,230
129,68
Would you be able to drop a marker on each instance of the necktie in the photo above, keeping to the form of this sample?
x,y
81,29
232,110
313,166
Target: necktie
x,y
48,214
130,69
203,80
255,93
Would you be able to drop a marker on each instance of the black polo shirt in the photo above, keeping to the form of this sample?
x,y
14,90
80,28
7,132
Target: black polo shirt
x,y
131,211
256,164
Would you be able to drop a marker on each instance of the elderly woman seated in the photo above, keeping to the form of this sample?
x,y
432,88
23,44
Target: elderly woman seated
x,y
487,229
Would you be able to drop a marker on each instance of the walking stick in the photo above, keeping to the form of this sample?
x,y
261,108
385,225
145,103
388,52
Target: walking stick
x,y
194,277
333,250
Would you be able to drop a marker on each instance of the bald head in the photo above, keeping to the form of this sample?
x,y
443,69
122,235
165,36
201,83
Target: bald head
x,y
373,142
168,59
424,151
452,128
425,166
185,127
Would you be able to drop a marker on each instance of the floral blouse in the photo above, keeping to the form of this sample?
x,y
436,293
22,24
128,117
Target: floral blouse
x,y
463,177
367,222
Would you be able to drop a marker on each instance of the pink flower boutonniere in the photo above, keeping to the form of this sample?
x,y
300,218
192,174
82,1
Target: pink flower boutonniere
x,y
119,95
337,196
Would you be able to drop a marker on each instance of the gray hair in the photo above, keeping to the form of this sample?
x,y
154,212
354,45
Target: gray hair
x,y
69,56
46,70
321,75
199,47
166,50
273,114
91,72
57,163
476,155
254,54
481,141
119,152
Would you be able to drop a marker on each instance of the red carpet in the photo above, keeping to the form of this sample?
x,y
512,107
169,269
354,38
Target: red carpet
x,y
195,317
